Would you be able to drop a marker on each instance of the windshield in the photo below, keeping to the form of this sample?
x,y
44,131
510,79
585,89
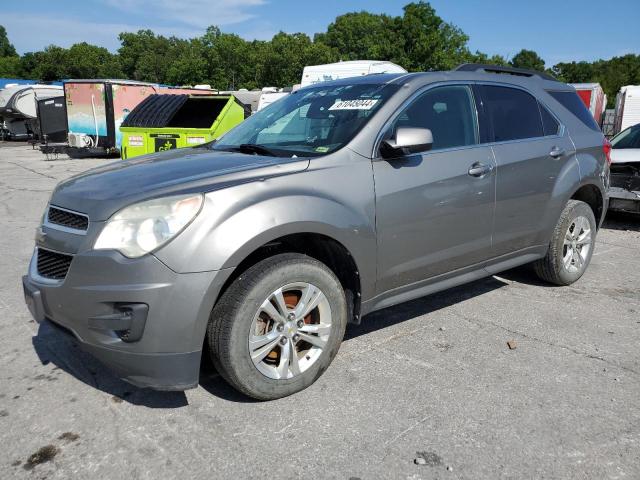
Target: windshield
x,y
629,138
310,122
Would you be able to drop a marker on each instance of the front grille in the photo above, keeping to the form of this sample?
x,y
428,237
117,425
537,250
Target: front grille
x,y
68,219
53,265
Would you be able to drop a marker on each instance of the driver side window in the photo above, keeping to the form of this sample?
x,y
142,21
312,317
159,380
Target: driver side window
x,y
449,112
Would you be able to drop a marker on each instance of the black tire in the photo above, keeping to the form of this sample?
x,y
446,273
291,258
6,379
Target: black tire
x,y
232,317
552,267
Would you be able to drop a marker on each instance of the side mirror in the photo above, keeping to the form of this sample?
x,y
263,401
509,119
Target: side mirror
x,y
407,141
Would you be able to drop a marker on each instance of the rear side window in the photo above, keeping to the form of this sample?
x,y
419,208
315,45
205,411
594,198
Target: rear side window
x,y
514,114
550,125
449,112
571,101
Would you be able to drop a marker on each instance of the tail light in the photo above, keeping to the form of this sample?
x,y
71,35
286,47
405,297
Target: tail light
x,y
606,149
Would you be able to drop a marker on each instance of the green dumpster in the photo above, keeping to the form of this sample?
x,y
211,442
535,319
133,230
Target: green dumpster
x,y
164,122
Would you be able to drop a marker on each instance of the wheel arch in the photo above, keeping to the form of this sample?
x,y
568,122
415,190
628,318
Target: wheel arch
x,y
592,195
320,246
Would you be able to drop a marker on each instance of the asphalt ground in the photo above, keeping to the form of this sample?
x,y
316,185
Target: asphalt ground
x,y
427,389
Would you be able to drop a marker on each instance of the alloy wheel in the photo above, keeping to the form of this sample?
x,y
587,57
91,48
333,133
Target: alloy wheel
x,y
577,245
290,330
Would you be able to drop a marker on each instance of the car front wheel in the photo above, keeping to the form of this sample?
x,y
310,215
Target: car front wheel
x,y
278,326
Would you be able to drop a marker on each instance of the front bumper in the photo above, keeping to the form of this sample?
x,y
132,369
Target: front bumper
x,y
159,345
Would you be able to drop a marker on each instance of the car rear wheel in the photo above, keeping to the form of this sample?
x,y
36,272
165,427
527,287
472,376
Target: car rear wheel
x,y
571,245
278,326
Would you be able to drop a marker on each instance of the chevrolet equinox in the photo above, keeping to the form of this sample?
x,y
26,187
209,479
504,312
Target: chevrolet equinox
x,y
342,198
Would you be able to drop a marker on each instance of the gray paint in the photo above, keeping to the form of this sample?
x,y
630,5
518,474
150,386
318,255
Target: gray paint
x,y
413,225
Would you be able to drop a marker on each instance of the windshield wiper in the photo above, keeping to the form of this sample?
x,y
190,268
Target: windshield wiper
x,y
254,148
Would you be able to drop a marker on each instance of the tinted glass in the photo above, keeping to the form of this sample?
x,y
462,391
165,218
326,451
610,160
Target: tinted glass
x,y
628,138
310,122
550,125
513,113
449,113
571,101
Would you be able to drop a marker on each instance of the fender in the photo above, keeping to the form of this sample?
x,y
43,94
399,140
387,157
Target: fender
x,y
236,221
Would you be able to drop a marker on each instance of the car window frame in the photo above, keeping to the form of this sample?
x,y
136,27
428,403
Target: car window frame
x,y
485,131
377,155
553,115
491,136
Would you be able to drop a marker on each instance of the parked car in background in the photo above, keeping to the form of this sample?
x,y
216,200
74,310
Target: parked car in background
x,y
625,170
340,199
593,97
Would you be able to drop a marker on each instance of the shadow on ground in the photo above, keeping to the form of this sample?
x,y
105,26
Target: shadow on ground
x,y
54,346
622,221
431,303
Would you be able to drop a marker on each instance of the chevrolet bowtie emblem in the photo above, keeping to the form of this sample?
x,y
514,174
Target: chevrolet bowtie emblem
x,y
40,235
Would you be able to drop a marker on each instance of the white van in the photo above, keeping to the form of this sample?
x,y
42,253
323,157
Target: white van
x,y
334,71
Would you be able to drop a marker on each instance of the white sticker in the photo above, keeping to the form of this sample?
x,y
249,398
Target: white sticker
x,y
366,104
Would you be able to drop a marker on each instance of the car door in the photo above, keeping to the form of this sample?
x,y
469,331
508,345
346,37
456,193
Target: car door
x,y
531,149
434,209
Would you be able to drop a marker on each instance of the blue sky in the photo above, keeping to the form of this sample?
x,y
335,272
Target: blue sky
x,y
558,30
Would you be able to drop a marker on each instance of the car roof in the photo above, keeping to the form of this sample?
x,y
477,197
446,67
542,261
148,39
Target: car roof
x,y
418,79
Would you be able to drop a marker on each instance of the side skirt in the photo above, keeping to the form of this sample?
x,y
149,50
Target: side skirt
x,y
453,279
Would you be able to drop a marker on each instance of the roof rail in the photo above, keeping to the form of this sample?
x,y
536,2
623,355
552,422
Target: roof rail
x,y
522,72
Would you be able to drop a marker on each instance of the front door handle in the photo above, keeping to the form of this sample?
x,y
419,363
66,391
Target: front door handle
x,y
479,169
557,152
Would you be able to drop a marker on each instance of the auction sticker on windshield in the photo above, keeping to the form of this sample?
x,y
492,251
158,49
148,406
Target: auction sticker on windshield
x,y
365,104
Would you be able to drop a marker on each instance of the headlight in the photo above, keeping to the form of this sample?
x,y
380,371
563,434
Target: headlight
x,y
146,226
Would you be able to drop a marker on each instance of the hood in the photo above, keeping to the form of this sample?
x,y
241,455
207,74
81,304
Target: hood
x,y
625,155
101,192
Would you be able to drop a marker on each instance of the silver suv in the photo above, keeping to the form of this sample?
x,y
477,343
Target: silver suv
x,y
340,199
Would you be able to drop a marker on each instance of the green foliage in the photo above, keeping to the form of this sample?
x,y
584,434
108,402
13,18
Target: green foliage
x,y
79,61
6,48
10,67
611,74
364,35
429,42
527,59
419,40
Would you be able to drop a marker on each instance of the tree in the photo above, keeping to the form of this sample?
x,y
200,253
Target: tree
x,y
574,72
146,56
364,35
611,74
189,66
6,48
10,67
418,40
429,42
286,55
89,61
528,59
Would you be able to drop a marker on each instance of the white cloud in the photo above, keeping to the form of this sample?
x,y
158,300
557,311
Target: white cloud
x,y
34,32
194,13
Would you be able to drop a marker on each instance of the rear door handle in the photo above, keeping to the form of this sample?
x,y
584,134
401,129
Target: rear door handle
x,y
479,169
557,152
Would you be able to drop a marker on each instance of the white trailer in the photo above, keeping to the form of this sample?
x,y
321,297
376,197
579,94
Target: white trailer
x,y
18,109
627,107
355,68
